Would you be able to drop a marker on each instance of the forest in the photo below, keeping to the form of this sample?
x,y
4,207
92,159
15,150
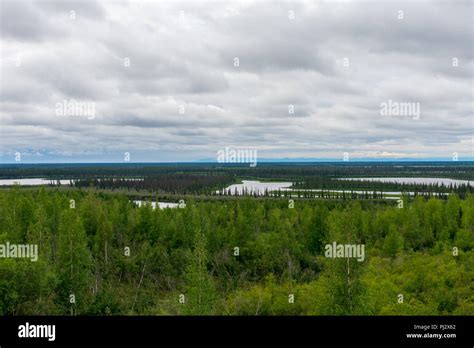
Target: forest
x,y
273,170
206,178
100,254
165,183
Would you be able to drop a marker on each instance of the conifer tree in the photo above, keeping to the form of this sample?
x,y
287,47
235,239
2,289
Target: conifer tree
x,y
200,289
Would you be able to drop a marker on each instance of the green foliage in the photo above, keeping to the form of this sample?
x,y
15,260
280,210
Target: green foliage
x,y
73,262
279,267
393,243
200,289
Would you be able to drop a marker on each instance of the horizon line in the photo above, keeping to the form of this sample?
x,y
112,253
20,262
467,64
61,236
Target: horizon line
x,y
282,160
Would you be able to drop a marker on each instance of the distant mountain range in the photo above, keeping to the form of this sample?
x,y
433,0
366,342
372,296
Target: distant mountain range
x,y
362,159
260,160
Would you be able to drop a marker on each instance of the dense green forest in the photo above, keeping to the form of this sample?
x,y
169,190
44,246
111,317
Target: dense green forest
x,y
326,183
209,184
166,183
241,256
206,178
275,171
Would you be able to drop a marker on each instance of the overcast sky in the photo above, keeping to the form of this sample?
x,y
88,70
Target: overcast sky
x,y
178,81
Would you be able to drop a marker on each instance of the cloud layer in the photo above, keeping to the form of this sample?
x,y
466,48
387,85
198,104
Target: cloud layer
x,y
177,81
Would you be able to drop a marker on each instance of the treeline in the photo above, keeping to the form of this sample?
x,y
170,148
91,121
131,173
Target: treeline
x,y
325,183
169,183
242,256
275,171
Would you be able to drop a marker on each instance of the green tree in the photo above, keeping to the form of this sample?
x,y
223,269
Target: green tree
x,y
393,243
74,263
200,290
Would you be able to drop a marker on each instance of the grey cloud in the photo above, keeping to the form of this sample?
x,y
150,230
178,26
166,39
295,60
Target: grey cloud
x,y
187,60
20,20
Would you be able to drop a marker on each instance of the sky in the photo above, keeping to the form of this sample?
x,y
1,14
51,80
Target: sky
x,y
151,81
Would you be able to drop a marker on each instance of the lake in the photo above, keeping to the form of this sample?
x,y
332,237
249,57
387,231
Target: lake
x,y
255,187
43,181
260,187
31,182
